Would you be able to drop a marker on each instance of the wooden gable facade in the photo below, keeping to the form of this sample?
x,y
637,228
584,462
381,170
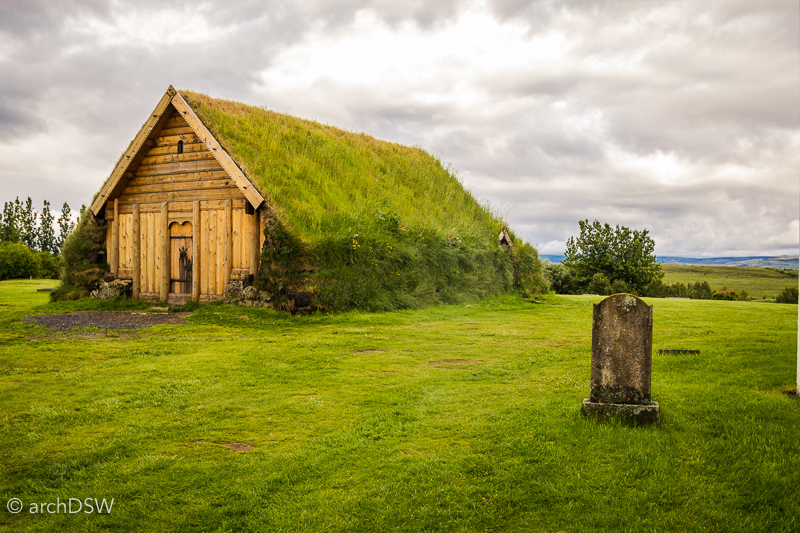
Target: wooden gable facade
x,y
183,220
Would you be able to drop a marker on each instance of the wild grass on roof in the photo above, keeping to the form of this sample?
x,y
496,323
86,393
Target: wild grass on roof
x,y
362,222
324,180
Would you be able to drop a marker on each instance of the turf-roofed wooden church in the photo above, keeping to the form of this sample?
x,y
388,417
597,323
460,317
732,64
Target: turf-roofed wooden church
x,y
212,191
182,218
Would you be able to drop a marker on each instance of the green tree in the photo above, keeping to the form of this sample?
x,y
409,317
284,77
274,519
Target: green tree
x,y
28,217
700,290
788,296
679,290
65,226
10,230
46,238
618,253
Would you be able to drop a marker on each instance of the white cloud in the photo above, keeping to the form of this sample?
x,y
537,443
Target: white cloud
x,y
789,237
130,25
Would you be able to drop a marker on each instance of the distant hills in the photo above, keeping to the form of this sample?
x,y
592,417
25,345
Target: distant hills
x,y
781,261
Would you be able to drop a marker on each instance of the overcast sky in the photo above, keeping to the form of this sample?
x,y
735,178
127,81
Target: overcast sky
x,y
681,117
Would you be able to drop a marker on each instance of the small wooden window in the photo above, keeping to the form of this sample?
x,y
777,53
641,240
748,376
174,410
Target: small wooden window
x,y
180,147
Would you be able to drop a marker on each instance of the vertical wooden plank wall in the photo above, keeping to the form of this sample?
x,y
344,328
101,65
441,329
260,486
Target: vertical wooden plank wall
x,y
236,237
227,241
149,252
211,243
137,282
197,264
113,252
165,252
255,240
124,242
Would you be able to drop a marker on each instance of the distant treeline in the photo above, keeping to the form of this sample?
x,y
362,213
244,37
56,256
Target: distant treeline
x,y
30,241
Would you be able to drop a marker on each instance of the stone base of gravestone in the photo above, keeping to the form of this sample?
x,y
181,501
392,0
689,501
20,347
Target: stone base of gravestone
x,y
637,413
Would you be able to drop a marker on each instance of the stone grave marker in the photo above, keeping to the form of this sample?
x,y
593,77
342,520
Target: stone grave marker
x,y
622,355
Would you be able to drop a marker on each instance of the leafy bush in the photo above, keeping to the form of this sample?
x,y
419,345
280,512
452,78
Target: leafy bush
x,y
726,294
82,258
17,261
744,295
618,287
787,296
599,285
48,265
560,278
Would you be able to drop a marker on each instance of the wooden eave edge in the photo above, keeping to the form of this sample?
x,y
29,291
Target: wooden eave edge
x,y
130,154
222,157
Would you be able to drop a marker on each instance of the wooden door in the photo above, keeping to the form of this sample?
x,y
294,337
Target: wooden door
x,y
180,260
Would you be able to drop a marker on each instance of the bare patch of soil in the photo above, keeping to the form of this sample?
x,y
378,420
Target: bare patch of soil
x,y
452,362
106,320
239,447
792,393
370,351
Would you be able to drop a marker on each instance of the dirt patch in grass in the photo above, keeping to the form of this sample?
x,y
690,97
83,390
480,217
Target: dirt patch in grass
x,y
792,393
370,351
100,335
452,362
239,447
106,320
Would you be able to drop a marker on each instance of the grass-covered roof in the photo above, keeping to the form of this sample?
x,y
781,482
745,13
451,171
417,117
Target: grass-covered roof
x,y
322,179
360,221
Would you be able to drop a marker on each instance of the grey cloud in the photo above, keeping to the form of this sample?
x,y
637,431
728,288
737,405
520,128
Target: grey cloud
x,y
716,84
32,19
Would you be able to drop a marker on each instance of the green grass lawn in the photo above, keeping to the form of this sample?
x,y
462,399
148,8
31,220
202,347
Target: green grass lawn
x,y
451,418
759,282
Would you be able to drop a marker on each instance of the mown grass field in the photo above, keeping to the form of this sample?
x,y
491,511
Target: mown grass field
x,y
450,418
759,282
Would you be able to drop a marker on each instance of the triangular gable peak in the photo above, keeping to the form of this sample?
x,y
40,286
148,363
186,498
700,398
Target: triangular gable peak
x,y
173,113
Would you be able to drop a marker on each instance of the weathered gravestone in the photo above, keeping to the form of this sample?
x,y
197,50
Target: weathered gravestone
x,y
622,355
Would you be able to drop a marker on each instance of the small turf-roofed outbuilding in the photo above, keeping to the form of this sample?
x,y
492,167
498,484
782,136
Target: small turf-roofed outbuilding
x,y
182,218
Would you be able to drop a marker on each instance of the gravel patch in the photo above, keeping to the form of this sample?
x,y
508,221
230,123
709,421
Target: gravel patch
x,y
107,320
